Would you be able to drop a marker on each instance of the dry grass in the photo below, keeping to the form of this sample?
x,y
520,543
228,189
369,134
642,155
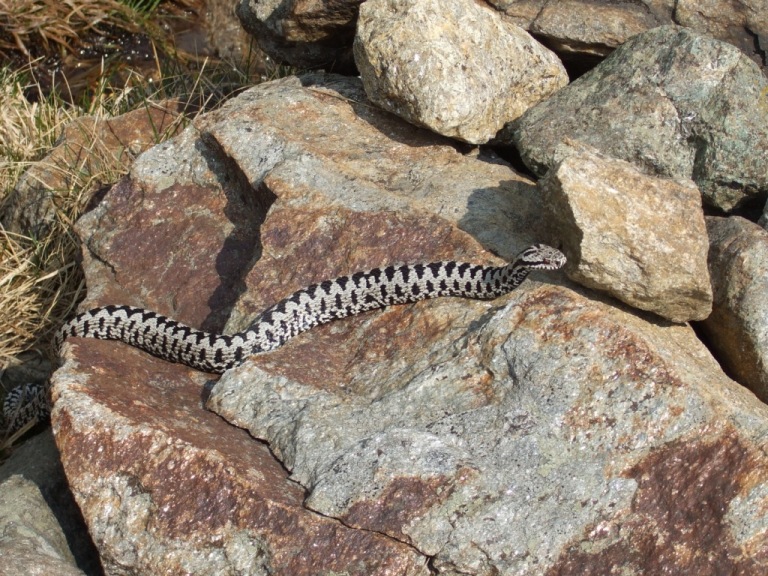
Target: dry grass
x,y
34,272
49,24
40,280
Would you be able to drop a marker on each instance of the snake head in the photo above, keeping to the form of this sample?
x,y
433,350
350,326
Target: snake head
x,y
541,257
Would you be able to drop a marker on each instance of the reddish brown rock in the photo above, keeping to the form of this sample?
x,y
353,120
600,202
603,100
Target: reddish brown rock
x,y
169,487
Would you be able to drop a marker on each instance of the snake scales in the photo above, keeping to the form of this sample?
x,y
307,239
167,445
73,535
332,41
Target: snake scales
x,y
304,309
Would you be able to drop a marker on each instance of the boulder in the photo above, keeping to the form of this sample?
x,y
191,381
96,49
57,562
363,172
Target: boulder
x,y
639,238
319,34
543,432
455,67
184,236
738,326
742,23
674,103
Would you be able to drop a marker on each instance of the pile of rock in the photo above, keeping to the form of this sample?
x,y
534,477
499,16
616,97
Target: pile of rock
x,y
578,425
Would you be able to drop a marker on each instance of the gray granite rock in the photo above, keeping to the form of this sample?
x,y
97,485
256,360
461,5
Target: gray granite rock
x,y
743,23
455,67
216,198
672,102
550,431
31,540
639,238
738,326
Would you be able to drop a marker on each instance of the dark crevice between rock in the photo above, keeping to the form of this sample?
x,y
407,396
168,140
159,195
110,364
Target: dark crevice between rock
x,y
247,209
759,50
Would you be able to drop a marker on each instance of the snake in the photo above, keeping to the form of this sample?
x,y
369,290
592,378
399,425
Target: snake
x,y
306,308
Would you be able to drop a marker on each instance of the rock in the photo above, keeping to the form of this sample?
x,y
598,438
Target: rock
x,y
319,34
639,238
218,502
743,23
738,326
541,432
95,146
672,102
454,67
307,35
584,28
37,460
556,433
31,541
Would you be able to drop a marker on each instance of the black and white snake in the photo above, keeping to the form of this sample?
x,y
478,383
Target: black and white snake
x,y
304,309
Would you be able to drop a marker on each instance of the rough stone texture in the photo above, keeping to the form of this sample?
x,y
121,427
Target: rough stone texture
x,y
583,27
311,34
641,239
553,435
185,236
308,34
37,460
738,326
743,23
31,541
542,432
88,145
169,488
674,103
595,27
455,67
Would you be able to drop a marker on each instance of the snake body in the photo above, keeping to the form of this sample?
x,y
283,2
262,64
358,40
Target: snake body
x,y
316,304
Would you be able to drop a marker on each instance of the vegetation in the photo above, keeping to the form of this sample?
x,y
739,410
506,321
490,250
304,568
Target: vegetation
x,y
40,280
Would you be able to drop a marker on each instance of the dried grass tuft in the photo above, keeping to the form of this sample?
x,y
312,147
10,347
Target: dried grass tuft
x,y
55,23
39,283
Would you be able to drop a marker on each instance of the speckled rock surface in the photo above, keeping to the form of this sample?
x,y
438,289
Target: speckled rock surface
x,y
738,326
31,540
539,433
672,102
166,485
457,68
37,460
639,238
